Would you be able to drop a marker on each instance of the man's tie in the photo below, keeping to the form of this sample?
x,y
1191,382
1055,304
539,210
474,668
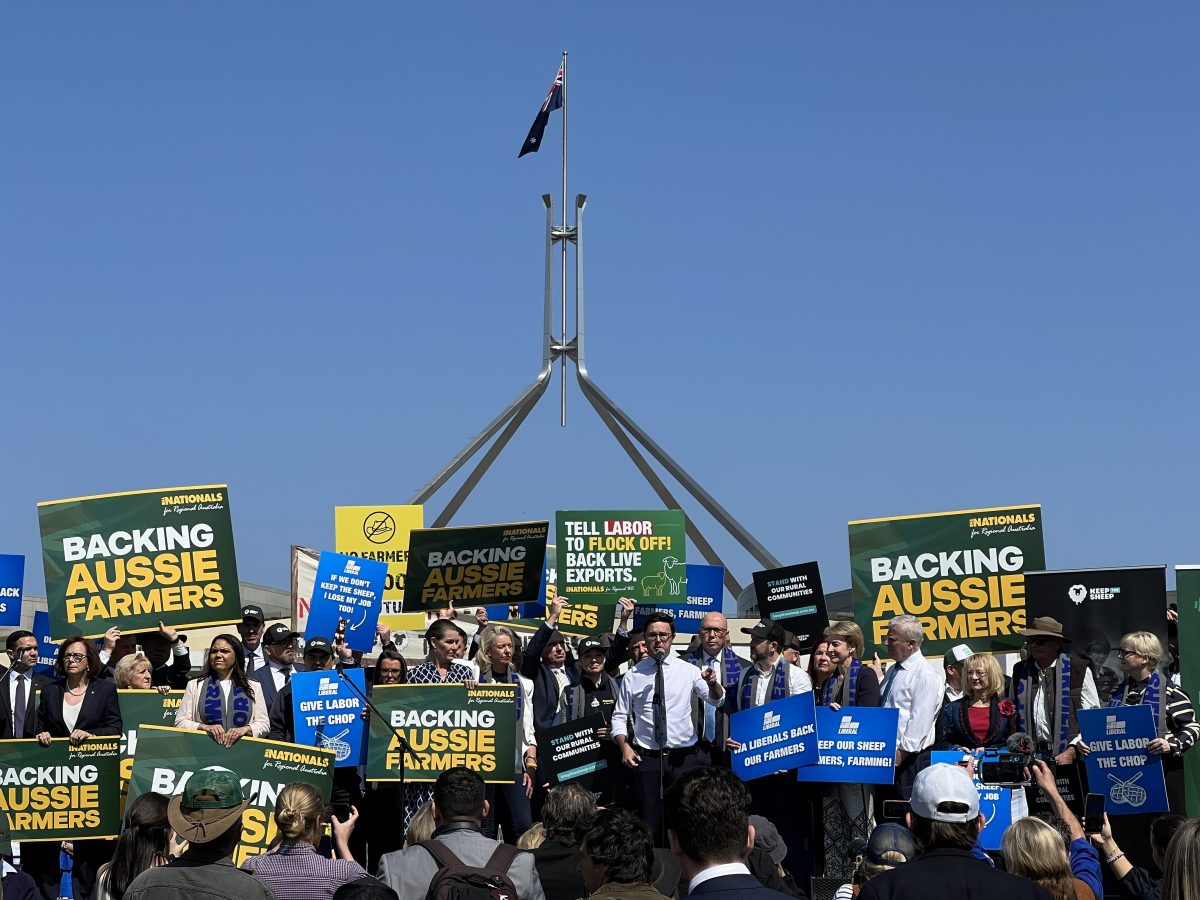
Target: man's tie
x,y
710,711
19,708
250,663
287,674
887,682
660,709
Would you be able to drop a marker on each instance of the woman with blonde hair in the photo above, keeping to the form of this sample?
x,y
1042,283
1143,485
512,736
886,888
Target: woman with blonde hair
x,y
422,826
854,683
134,672
294,869
982,717
1181,864
1035,850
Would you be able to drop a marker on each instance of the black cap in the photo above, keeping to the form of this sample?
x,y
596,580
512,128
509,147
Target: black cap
x,y
279,634
253,612
793,642
318,643
765,628
587,645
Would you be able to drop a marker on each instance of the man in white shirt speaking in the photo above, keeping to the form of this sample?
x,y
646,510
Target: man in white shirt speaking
x,y
655,697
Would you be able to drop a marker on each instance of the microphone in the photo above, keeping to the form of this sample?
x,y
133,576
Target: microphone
x,y
1020,742
659,654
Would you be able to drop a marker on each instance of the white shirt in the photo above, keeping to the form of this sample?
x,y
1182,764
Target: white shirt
x,y
718,871
916,690
635,700
1089,698
798,683
11,683
277,674
257,655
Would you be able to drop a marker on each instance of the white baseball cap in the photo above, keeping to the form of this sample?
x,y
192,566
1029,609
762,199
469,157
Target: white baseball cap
x,y
940,783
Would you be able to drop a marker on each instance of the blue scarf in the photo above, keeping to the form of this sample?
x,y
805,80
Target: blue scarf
x,y
239,705
733,666
1059,737
850,679
1152,698
513,678
779,688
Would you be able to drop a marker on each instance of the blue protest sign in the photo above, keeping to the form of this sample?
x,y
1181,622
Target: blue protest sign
x,y
855,744
775,737
347,595
47,649
705,588
995,803
328,713
1119,765
12,577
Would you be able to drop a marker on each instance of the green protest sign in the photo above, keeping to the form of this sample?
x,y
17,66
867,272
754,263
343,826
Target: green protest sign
x,y
167,757
1187,599
142,708
137,558
475,565
605,555
59,792
961,573
446,725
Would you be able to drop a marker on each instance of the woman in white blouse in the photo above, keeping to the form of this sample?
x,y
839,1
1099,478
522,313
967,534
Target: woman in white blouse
x,y
222,700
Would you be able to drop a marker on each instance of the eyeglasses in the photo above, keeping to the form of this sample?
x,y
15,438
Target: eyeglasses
x,y
1124,653
658,635
712,629
1040,641
74,657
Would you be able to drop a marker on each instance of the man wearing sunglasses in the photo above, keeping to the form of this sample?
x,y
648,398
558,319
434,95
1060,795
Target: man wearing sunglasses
x,y
1050,687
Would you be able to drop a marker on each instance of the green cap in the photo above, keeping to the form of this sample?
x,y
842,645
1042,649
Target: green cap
x,y
213,789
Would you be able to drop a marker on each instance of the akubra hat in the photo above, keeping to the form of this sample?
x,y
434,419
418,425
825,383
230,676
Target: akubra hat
x,y
1045,626
211,803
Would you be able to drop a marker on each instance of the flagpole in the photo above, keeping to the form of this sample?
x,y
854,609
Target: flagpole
x,y
563,265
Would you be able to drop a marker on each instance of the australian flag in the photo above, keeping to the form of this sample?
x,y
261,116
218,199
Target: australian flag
x,y
533,142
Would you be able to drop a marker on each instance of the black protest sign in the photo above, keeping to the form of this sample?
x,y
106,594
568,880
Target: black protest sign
x,y
572,751
792,596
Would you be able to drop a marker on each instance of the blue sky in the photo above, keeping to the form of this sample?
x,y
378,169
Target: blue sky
x,y
844,261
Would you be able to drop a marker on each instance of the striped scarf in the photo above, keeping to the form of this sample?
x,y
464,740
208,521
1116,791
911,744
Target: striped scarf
x,y
730,662
779,687
1151,697
849,681
1061,724
239,705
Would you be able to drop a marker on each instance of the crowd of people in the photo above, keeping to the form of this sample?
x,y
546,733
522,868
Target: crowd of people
x,y
664,815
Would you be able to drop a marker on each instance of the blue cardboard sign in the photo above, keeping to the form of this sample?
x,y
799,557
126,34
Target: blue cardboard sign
x,y
348,592
705,588
855,744
47,648
775,737
328,713
12,578
1119,765
995,803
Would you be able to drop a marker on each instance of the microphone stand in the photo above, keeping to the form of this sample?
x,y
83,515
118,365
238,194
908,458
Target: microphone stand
x,y
401,742
660,701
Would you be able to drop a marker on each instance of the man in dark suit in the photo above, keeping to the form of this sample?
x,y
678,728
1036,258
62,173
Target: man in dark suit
x,y
945,821
279,649
18,715
716,653
708,829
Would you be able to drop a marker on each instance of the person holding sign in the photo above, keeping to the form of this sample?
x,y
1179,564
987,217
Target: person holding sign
x,y
775,797
509,803
80,706
1174,720
222,701
655,697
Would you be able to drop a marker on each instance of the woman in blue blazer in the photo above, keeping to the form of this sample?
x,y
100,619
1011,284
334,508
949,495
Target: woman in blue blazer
x,y
78,705
983,717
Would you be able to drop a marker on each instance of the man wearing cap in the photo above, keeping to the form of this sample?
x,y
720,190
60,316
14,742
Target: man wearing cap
x,y
952,665
945,821
208,815
557,696
279,649
599,697
716,653
793,652
775,797
250,631
1049,688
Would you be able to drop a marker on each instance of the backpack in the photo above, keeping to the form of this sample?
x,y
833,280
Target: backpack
x,y
457,881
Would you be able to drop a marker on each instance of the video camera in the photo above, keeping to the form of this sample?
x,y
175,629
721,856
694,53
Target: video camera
x,y
1008,766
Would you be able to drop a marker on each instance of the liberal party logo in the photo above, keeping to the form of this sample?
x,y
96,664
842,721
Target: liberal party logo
x,y
1113,725
352,568
770,720
327,687
848,725
378,527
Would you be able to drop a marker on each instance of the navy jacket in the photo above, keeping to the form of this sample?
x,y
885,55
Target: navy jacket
x,y
737,887
264,678
33,683
954,731
545,685
99,713
950,873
